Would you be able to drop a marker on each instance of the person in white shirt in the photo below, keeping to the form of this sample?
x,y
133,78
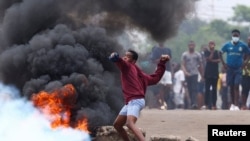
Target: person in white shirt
x,y
179,87
164,86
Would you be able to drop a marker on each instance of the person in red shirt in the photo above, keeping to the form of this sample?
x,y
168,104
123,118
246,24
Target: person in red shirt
x,y
134,85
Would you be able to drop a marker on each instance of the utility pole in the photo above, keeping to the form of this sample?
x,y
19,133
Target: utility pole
x,y
212,9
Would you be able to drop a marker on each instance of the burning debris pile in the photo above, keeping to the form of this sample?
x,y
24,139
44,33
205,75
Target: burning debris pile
x,y
50,45
57,107
20,120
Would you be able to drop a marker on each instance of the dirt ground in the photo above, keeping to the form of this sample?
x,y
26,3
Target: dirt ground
x,y
186,123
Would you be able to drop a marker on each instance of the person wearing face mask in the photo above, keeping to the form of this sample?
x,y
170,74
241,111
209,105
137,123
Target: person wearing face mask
x,y
235,50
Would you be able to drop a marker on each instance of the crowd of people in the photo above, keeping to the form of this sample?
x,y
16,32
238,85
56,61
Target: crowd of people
x,y
190,84
201,76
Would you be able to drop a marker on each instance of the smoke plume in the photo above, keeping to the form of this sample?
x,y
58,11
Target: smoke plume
x,y
46,44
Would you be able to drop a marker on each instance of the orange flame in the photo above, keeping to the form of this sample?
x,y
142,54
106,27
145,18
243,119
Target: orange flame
x,y
56,106
83,125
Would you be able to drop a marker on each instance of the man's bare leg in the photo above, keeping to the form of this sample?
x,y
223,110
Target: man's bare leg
x,y
120,121
131,120
244,102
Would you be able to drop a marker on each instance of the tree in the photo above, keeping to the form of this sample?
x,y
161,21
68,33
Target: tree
x,y
222,28
241,13
191,26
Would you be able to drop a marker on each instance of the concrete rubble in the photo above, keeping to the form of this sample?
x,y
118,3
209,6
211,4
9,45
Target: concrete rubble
x,y
108,133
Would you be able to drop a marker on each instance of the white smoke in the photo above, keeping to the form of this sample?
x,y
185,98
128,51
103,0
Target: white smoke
x,y
20,120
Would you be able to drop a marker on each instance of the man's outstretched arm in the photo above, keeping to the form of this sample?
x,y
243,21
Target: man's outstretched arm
x,y
156,77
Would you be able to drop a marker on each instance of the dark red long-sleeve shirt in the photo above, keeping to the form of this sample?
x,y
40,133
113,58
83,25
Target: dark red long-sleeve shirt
x,y
134,81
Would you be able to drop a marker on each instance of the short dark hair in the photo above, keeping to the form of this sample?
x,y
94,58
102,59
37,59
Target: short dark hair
x,y
191,42
134,54
211,42
235,30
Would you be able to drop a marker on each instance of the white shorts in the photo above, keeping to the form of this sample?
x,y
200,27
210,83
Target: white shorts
x,y
166,78
179,98
133,107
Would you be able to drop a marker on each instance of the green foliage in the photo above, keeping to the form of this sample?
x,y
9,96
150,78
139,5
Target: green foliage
x,y
222,28
241,13
191,26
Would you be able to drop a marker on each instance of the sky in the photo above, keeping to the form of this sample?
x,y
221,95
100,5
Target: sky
x,y
217,9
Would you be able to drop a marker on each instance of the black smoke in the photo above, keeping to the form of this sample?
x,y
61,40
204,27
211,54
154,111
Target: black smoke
x,y
46,44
